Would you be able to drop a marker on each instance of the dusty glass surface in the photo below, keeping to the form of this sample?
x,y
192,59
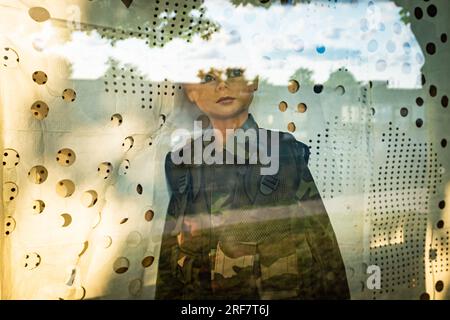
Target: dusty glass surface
x,y
224,149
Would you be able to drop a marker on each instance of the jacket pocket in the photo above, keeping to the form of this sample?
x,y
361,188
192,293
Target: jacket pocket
x,y
233,270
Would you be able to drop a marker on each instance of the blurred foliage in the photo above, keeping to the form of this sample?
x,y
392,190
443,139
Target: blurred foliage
x,y
341,76
303,76
267,3
169,19
405,16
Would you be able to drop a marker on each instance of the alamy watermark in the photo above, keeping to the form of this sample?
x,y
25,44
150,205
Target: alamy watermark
x,y
250,146
374,280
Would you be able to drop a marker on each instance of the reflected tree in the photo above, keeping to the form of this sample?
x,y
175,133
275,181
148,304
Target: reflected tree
x,y
157,22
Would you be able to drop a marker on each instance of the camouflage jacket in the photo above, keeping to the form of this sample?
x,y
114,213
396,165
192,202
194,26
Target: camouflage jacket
x,y
232,233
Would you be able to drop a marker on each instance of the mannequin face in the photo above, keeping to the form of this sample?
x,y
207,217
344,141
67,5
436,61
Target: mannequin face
x,y
222,94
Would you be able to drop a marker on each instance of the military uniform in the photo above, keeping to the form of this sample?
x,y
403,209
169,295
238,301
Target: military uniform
x,y
232,233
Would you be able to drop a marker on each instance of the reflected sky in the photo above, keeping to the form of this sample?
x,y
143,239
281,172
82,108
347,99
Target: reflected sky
x,y
368,38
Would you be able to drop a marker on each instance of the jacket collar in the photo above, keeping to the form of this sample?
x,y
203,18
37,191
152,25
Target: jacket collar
x,y
240,147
